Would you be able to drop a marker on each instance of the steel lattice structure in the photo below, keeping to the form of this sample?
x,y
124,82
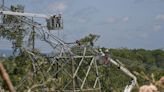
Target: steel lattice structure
x,y
71,68
70,62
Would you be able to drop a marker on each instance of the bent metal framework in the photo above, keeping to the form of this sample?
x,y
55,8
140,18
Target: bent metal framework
x,y
64,61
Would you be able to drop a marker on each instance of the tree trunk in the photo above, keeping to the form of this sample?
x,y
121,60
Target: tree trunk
x,y
6,78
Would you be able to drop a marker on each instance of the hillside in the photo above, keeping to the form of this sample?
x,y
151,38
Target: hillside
x,y
147,65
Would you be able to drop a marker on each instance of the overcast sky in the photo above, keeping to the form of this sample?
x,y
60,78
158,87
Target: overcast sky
x,y
120,23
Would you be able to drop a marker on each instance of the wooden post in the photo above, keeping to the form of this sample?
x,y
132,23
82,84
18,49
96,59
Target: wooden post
x,y
6,78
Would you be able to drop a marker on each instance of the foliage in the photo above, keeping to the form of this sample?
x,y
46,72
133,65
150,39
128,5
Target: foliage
x,y
88,40
141,62
24,68
14,29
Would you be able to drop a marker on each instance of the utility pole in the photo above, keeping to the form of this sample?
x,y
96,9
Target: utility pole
x,y
2,4
33,37
1,8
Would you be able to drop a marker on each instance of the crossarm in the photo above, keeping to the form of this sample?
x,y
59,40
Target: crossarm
x,y
24,14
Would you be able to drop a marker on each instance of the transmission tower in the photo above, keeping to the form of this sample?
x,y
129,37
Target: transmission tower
x,y
71,68
67,69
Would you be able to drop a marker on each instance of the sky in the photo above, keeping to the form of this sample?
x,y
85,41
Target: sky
x,y
120,23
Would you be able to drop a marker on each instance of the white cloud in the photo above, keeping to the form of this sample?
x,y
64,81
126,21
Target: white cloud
x,y
111,19
160,17
157,27
144,35
138,1
82,20
57,6
34,0
125,19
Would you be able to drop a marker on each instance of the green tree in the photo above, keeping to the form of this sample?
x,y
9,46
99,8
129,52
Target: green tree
x,y
13,29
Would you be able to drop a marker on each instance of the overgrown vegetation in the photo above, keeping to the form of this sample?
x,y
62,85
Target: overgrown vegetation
x,y
147,65
28,73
